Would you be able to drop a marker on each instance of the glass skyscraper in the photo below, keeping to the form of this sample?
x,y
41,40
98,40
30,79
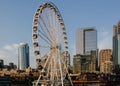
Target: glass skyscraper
x,y
23,56
86,45
86,40
116,44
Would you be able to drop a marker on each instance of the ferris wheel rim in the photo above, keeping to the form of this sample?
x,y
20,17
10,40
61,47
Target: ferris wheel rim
x,y
55,47
36,18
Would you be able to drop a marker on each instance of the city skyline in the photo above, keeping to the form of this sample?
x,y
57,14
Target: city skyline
x,y
16,23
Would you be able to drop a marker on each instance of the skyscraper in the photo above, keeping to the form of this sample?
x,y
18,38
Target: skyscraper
x,y
86,46
105,60
23,56
86,40
116,44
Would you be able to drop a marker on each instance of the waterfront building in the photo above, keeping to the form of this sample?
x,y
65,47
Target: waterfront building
x,y
23,56
12,65
1,64
86,46
116,44
77,64
105,60
84,63
86,40
106,67
94,61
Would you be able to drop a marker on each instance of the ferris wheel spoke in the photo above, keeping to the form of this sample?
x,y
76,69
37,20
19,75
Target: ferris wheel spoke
x,y
46,28
51,25
48,20
48,23
42,31
45,37
45,40
56,28
56,34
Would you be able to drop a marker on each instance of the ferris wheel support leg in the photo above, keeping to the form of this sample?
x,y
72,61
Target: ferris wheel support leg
x,y
42,71
68,75
61,71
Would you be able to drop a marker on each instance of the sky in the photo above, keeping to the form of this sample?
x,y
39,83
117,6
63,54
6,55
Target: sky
x,y
16,18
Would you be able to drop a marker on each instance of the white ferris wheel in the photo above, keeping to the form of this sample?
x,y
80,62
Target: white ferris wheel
x,y
50,45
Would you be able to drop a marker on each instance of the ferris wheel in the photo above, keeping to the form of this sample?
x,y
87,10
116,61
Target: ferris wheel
x,y
50,45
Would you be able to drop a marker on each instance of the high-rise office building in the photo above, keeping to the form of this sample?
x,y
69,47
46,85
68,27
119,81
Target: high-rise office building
x,y
86,40
86,44
105,60
116,44
23,56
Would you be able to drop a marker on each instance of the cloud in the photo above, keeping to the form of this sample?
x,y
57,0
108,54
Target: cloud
x,y
9,53
105,40
11,47
1,55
